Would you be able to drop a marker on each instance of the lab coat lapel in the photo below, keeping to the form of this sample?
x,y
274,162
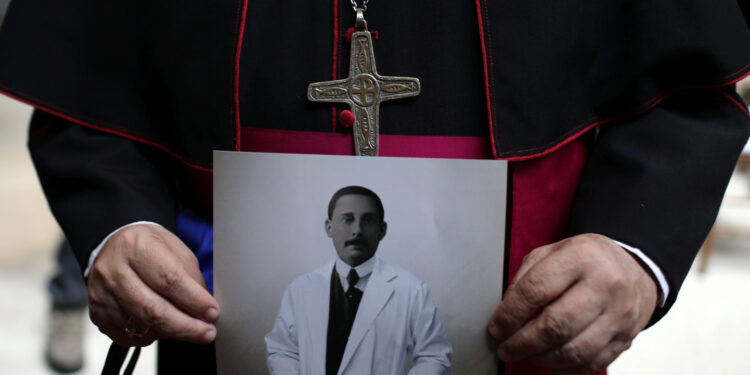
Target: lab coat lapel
x,y
376,294
317,301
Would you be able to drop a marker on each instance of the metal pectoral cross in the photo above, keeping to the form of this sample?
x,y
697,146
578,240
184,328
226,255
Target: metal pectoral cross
x,y
363,90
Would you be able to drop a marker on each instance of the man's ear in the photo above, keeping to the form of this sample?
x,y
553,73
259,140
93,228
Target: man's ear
x,y
383,229
328,227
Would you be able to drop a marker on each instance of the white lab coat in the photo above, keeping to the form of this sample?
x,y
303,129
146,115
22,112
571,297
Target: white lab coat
x,y
395,317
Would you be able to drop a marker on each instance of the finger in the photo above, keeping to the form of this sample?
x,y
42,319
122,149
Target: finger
x,y
604,359
106,314
531,259
581,350
104,310
115,329
163,272
558,323
191,266
542,284
184,253
149,309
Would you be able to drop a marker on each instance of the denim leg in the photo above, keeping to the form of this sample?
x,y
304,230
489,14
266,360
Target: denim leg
x,y
67,288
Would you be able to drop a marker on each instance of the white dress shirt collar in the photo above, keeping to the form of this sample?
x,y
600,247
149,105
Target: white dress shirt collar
x,y
363,270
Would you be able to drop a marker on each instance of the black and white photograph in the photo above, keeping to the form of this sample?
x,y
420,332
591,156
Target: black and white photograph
x,y
337,264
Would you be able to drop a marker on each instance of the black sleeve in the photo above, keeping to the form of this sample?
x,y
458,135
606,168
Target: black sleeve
x,y
656,181
96,182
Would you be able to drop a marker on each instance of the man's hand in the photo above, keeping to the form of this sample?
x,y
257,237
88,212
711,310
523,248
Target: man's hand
x,y
145,274
574,306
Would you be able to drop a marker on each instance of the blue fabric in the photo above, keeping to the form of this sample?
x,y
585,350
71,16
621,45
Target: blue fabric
x,y
198,234
67,288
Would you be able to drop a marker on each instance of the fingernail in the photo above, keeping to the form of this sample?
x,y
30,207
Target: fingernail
x,y
210,335
502,353
212,314
494,330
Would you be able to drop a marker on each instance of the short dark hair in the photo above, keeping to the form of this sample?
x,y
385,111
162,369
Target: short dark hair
x,y
356,190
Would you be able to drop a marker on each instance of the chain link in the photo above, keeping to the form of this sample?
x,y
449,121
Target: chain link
x,y
355,6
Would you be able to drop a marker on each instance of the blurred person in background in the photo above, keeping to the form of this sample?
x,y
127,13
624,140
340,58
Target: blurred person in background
x,y
64,344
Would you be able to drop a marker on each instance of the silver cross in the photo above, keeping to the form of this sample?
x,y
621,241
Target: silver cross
x,y
364,90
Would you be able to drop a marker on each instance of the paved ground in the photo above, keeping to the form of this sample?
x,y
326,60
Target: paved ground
x,y
707,331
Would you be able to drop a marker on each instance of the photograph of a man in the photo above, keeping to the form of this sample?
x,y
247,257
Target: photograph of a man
x,y
357,314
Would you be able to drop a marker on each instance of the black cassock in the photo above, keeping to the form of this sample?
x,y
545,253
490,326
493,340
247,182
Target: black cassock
x,y
157,85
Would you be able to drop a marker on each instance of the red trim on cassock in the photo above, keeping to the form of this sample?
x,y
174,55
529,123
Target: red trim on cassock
x,y
485,59
740,107
558,143
237,58
561,141
42,130
40,105
594,122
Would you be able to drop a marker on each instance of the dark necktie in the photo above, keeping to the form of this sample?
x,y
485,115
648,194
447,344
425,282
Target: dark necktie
x,y
343,310
352,278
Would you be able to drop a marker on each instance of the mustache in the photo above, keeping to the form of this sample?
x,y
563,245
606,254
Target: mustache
x,y
355,241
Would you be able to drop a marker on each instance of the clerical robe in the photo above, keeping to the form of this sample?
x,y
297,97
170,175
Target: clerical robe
x,y
155,86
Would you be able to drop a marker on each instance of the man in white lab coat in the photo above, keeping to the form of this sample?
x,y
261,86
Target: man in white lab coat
x,y
357,314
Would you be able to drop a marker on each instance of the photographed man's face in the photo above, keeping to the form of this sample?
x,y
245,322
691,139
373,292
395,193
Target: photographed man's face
x,y
355,228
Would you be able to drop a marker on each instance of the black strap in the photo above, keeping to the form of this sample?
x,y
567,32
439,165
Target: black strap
x,y
116,357
133,361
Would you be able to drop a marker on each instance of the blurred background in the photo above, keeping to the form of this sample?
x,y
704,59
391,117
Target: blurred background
x,y
706,332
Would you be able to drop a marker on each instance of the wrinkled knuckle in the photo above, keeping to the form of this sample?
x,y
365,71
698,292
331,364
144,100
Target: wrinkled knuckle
x,y
193,262
127,238
149,247
105,279
583,241
153,313
575,355
532,255
98,272
95,299
630,315
623,339
621,342
617,281
603,361
170,279
533,290
554,329
526,258
625,345
617,347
